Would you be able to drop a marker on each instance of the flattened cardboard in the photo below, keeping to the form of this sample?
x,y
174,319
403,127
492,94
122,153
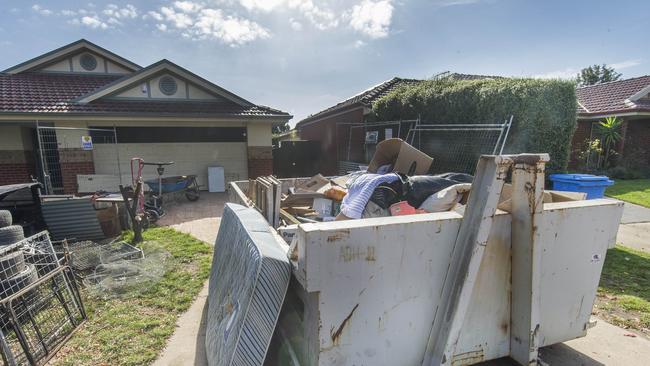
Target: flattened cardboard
x,y
405,158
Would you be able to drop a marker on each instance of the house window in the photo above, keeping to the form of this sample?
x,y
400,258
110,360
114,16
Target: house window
x,y
167,85
88,62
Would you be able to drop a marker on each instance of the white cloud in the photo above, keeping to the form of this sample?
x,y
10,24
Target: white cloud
x,y
114,11
211,23
68,13
41,10
319,17
264,5
178,18
359,43
625,64
93,22
153,14
295,25
161,27
372,18
188,6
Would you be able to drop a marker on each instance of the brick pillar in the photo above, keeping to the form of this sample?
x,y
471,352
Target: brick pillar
x,y
74,162
260,161
16,166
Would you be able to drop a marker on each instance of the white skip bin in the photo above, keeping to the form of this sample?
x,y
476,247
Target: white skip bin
x,y
368,292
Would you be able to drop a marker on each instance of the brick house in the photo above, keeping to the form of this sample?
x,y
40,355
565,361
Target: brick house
x,y
628,100
161,112
322,126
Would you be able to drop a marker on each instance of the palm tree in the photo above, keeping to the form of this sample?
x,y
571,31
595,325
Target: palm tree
x,y
609,131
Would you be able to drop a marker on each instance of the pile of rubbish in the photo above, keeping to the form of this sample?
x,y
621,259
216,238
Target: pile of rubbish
x,y
395,183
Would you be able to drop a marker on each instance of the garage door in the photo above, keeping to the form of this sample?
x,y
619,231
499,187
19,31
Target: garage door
x,y
191,149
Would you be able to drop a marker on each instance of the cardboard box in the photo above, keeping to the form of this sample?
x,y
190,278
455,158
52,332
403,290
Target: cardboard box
x,y
403,157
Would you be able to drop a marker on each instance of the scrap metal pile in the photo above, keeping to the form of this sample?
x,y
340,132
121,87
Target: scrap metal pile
x,y
40,305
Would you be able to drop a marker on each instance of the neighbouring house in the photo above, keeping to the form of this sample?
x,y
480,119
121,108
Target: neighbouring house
x,y
331,126
626,99
335,127
82,110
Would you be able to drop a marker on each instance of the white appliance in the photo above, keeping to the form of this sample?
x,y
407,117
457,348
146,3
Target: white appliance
x,y
216,179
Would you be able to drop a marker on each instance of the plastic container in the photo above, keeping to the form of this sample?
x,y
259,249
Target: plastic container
x,y
593,185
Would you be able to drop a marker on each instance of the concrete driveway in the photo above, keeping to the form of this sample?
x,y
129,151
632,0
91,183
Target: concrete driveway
x,y
605,344
634,231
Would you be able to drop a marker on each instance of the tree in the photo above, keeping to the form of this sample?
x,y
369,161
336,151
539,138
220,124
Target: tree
x,y
276,130
596,74
609,131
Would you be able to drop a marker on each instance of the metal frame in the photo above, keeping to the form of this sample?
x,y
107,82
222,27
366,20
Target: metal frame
x,y
45,160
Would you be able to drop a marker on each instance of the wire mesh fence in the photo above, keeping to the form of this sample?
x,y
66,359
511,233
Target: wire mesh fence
x,y
457,147
40,305
453,147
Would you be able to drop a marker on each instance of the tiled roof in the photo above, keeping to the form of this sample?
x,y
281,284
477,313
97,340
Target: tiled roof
x,y
56,93
610,97
366,98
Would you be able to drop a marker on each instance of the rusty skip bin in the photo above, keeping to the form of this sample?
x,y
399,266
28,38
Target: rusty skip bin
x,y
506,277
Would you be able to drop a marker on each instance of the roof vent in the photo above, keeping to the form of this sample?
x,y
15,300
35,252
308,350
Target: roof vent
x,y
167,85
88,62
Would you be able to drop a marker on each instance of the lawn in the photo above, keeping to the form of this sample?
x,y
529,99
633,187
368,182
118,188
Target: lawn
x,y
632,190
624,292
133,330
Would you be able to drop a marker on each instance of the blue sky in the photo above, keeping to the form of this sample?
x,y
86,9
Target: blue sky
x,y
303,56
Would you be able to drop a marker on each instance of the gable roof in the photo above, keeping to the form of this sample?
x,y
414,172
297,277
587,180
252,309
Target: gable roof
x,y
156,69
55,94
615,97
363,99
62,52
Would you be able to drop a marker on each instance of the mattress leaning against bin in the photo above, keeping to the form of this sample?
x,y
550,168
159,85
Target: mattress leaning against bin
x,y
249,279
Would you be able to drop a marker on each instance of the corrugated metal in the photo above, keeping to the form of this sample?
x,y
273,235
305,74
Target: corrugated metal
x,y
72,218
249,279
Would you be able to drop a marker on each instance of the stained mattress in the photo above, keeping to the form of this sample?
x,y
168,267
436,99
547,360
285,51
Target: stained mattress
x,y
249,279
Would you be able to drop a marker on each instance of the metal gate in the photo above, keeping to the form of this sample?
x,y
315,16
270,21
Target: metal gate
x,y
66,151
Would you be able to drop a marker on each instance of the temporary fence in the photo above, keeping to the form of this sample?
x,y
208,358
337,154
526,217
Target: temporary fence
x,y
457,147
66,152
40,306
454,147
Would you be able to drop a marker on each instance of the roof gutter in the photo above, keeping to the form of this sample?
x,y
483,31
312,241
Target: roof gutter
x,y
27,116
617,113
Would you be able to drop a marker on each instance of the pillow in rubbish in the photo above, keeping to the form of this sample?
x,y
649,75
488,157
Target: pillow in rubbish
x,y
446,199
423,186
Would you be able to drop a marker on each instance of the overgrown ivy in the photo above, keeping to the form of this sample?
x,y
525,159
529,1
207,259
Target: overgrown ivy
x,y
544,110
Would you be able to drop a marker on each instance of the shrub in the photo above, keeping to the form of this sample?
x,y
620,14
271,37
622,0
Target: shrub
x,y
544,110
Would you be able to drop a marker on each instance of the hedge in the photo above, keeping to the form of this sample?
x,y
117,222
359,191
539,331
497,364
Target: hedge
x,y
544,110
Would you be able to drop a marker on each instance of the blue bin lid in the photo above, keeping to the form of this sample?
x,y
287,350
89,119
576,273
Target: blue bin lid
x,y
579,177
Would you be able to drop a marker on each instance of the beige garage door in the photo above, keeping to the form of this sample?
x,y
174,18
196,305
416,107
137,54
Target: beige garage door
x,y
188,158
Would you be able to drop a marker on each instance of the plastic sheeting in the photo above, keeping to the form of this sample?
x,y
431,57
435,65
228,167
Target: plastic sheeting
x,y
249,279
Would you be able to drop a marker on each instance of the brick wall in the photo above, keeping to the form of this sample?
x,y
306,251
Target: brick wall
x,y
74,162
637,143
333,143
260,161
16,166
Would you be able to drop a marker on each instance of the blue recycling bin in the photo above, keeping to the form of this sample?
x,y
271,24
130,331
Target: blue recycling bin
x,y
593,185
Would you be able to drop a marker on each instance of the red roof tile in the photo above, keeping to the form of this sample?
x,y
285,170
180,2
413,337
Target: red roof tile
x,y
610,97
56,93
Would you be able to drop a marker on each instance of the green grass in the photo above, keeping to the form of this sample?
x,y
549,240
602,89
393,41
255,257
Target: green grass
x,y
632,190
133,330
624,292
